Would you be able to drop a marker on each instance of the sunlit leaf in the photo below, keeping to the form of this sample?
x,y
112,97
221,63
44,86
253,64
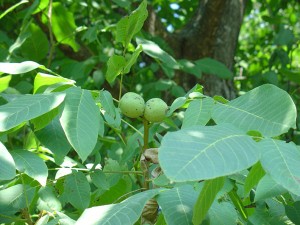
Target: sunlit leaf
x,y
267,109
27,107
7,164
281,161
124,213
132,59
115,65
17,68
42,80
4,82
80,121
201,152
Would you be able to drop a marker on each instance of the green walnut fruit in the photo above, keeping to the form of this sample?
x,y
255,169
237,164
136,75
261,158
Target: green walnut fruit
x,y
132,105
155,110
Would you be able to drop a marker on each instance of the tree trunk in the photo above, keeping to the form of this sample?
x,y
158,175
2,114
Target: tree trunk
x,y
212,32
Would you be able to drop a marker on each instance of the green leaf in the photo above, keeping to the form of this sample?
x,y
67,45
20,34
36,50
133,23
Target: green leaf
x,y
154,51
267,109
7,164
4,82
47,200
99,179
77,190
268,188
80,121
27,107
280,160
10,9
30,164
178,102
189,67
254,176
36,46
107,103
42,80
293,212
128,26
198,112
53,137
206,198
18,68
212,66
177,204
200,152
222,213
238,203
115,66
43,120
14,199
124,213
63,25
132,59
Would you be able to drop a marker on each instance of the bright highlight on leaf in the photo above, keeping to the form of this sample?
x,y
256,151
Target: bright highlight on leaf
x,y
7,164
17,68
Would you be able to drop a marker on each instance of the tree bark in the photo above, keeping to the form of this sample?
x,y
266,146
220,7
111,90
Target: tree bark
x,y
212,32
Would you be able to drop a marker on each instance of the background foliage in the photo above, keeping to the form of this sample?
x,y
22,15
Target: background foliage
x,y
68,156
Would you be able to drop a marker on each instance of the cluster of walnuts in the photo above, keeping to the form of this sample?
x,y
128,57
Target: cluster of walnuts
x,y
134,106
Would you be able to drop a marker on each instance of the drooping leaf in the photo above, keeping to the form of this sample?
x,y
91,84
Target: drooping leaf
x,y
128,26
18,68
43,80
107,102
286,157
27,107
198,112
206,198
64,27
53,137
115,65
200,152
177,204
132,59
211,66
80,121
13,199
267,109
77,190
7,164
268,188
154,51
255,174
124,213
30,164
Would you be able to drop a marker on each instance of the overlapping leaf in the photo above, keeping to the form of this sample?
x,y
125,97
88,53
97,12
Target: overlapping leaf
x,y
281,161
177,204
267,109
115,65
206,152
124,213
7,164
26,108
17,68
30,164
80,121
198,112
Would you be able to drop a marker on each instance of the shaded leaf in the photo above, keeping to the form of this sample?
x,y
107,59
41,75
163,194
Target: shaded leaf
x,y
200,152
254,176
212,66
80,121
107,102
177,204
26,108
7,164
222,213
132,59
190,67
115,65
267,109
293,212
30,164
47,200
206,198
77,190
